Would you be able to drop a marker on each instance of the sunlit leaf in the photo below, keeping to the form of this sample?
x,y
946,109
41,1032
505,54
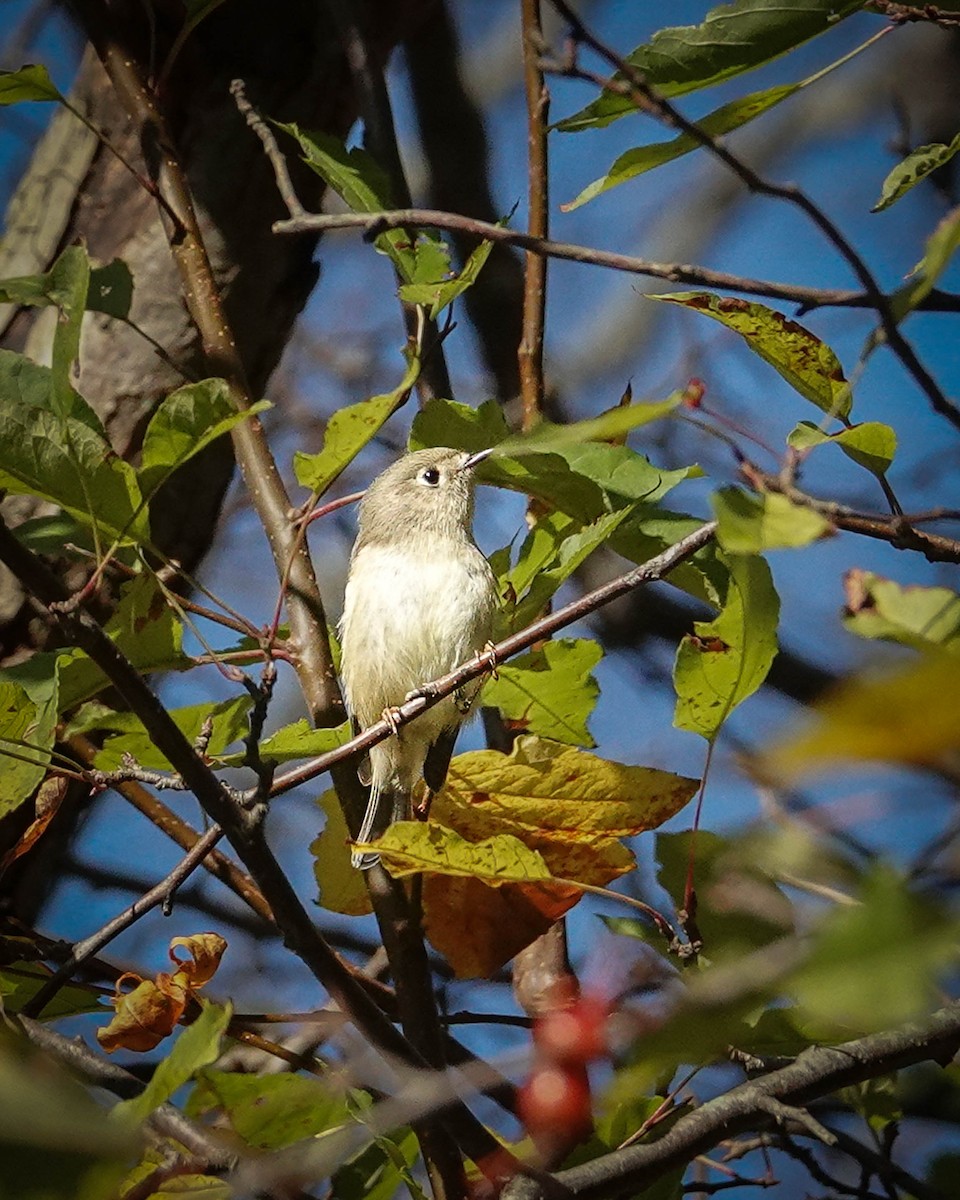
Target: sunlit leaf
x,y
412,847
922,617
571,807
940,248
348,431
910,715
549,691
641,159
362,185
296,741
547,438
437,294
144,627
26,737
915,167
197,1046
733,38
341,886
228,722
749,524
871,445
725,660
185,423
31,82
801,358
555,548
20,982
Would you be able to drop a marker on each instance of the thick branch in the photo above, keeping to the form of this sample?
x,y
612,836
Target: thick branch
x,y
817,1072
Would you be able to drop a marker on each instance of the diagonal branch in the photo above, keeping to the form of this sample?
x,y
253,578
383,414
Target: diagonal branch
x,y
818,1071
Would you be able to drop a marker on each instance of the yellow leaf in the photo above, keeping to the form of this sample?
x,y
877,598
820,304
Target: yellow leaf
x,y
910,715
556,798
342,888
412,847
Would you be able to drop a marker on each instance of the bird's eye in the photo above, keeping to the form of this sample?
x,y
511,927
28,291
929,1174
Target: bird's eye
x,y
429,476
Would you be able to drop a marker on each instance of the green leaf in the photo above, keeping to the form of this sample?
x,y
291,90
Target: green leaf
x,y
748,524
806,363
111,290
734,38
727,659
547,438
439,293
31,82
362,185
20,982
549,691
738,908
641,159
295,741
447,423
548,557
871,445
228,723
916,166
412,847
270,1111
910,715
63,457
185,423
26,737
348,431
143,626
58,1142
892,934
57,534
376,1173
197,1046
921,617
940,248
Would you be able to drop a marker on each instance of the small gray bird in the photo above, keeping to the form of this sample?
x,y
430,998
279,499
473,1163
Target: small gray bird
x,y
419,601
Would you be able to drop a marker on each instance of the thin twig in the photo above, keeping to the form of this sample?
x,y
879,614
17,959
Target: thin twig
x,y
93,944
373,224
900,14
631,82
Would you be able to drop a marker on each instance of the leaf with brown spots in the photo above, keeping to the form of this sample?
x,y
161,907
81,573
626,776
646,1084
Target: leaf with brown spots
x,y
799,356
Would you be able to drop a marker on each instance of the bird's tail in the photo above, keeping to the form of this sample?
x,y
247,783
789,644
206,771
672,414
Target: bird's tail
x,y
387,803
361,860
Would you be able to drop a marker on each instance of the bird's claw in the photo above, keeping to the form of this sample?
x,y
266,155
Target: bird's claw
x,y
392,715
487,657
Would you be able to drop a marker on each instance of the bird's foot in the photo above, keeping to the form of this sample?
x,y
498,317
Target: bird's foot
x,y
487,657
391,714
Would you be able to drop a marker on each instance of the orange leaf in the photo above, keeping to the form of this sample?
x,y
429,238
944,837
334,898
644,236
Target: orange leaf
x,y
478,928
145,1016
205,951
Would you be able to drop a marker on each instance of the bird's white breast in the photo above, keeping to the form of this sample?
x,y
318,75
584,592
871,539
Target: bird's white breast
x,y
409,618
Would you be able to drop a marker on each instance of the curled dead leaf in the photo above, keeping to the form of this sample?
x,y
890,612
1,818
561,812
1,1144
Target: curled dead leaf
x,y
146,1015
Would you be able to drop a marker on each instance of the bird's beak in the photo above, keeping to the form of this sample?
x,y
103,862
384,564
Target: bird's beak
x,y
474,459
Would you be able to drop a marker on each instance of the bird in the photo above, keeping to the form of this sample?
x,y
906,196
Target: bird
x,y
420,600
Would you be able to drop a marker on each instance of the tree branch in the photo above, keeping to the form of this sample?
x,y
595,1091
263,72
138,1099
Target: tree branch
x,y
817,1072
